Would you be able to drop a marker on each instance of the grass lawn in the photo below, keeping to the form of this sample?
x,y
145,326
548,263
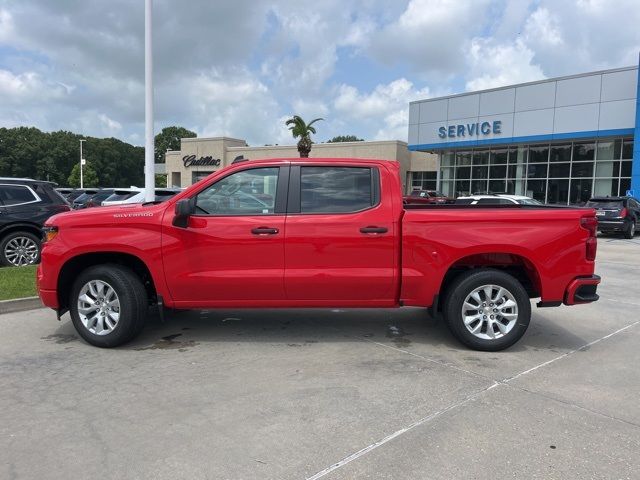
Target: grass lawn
x,y
17,282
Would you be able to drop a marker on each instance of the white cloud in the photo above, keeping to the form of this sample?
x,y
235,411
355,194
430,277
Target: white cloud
x,y
493,66
385,108
241,67
430,35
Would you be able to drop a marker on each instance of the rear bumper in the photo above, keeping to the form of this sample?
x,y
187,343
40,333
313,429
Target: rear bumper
x,y
612,225
582,290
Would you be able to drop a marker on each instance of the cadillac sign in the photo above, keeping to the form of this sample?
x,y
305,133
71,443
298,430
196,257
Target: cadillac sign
x,y
191,161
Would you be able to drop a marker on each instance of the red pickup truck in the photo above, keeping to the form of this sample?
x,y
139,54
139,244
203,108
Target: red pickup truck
x,y
316,233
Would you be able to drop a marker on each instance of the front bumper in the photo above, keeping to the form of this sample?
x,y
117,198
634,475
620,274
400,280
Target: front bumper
x,y
582,290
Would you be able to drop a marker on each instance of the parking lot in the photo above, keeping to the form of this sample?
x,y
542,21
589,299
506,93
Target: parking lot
x,y
329,394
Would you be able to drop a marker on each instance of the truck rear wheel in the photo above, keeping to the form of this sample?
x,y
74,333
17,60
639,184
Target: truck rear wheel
x,y
487,309
108,305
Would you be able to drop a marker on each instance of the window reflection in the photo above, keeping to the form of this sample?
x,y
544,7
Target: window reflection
x,y
335,189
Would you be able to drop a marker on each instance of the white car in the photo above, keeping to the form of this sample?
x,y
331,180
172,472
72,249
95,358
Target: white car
x,y
122,196
497,199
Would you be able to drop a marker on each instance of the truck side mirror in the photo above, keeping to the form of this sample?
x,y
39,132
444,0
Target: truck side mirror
x,y
184,209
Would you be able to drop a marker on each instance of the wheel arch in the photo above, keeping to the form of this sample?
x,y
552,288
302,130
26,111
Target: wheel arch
x,y
73,266
517,265
20,227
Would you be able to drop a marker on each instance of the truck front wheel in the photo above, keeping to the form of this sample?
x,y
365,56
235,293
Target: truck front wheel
x,y
487,309
108,305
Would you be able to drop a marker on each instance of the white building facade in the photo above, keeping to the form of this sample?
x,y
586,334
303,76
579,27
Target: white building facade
x,y
559,140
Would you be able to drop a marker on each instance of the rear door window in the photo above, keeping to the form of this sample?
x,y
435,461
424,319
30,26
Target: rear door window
x,y
336,189
605,204
16,195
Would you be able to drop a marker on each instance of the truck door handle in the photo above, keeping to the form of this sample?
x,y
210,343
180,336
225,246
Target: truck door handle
x,y
264,231
374,230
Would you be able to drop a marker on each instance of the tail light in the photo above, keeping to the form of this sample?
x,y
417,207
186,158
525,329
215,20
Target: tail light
x,y
590,224
623,213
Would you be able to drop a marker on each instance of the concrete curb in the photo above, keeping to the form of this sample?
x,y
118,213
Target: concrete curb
x,y
20,305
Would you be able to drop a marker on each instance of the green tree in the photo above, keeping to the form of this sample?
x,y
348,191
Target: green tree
x,y
345,138
89,176
302,130
169,139
161,180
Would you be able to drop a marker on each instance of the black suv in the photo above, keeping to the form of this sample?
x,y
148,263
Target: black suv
x,y
25,205
616,214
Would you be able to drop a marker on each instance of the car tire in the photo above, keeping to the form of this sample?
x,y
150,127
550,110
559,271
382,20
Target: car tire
x,y
502,309
108,305
630,232
19,249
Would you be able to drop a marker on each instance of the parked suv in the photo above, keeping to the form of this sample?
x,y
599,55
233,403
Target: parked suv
x,y
25,205
616,214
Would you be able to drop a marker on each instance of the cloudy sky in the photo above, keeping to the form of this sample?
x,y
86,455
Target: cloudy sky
x,y
240,67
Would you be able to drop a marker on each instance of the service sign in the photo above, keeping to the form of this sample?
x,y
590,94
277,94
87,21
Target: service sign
x,y
470,130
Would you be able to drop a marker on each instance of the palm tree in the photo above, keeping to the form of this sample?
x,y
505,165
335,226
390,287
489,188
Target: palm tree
x,y
303,130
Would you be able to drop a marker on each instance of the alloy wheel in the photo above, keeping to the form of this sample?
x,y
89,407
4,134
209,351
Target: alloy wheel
x,y
21,251
98,307
490,312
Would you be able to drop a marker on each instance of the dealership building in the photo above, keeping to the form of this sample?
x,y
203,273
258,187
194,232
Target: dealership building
x,y
199,157
559,140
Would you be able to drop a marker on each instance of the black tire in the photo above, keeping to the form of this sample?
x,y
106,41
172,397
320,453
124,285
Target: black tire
x,y
462,287
133,304
630,232
18,235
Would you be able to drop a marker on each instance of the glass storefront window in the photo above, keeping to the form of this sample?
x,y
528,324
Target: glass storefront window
x,y
537,189
580,190
607,169
463,158
515,187
478,186
559,170
561,153
462,188
447,173
499,171
582,169
606,186
584,151
480,172
518,154
560,173
497,186
625,184
499,156
609,150
537,170
481,157
447,188
447,159
558,191
538,153
516,171
463,172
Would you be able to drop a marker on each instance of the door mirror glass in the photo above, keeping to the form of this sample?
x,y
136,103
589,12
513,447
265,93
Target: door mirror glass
x,y
184,209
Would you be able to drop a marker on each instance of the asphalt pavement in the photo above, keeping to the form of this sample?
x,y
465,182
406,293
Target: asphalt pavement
x,y
331,394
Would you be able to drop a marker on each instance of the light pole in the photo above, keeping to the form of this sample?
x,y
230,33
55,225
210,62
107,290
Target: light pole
x,y
82,161
149,171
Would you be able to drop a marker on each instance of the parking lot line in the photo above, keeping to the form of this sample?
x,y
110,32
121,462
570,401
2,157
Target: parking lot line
x,y
428,418
397,433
